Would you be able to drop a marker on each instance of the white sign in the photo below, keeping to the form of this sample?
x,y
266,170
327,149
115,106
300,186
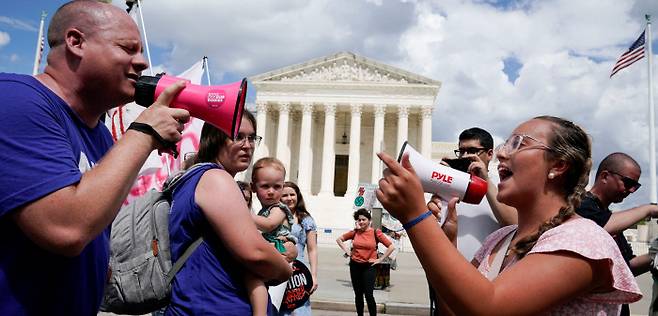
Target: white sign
x,y
365,196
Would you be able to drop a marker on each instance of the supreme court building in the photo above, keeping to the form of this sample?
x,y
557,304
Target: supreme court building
x,y
326,118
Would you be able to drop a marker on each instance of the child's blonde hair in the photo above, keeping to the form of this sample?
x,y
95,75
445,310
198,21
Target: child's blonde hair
x,y
267,162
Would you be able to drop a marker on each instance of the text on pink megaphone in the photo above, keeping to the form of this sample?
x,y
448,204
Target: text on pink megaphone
x,y
221,106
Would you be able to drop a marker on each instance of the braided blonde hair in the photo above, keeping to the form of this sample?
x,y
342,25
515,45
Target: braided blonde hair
x,y
571,144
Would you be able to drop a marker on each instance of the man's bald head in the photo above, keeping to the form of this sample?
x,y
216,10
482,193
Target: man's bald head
x,y
95,55
88,16
616,162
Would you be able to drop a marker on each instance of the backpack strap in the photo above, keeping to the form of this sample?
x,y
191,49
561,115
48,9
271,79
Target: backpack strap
x,y
167,193
169,185
168,189
376,242
181,261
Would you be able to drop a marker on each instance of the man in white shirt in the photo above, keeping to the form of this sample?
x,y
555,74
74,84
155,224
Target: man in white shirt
x,y
476,222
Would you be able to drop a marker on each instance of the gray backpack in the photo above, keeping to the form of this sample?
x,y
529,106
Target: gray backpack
x,y
141,270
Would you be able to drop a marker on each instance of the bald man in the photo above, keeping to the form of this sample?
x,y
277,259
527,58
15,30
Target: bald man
x,y
616,178
61,185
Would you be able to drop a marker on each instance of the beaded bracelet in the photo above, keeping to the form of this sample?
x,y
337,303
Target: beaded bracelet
x,y
416,220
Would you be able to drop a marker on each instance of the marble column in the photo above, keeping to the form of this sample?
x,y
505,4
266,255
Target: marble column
x,y
261,121
426,131
354,162
282,146
328,151
377,139
305,176
403,125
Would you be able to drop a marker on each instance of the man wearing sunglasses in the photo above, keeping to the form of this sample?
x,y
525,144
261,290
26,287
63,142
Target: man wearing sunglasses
x,y
616,178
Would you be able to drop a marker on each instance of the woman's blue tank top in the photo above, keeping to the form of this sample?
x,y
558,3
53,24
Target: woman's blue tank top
x,y
211,282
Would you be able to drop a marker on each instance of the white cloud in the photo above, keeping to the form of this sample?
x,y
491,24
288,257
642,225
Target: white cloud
x,y
376,2
463,44
14,58
250,37
566,49
17,23
4,38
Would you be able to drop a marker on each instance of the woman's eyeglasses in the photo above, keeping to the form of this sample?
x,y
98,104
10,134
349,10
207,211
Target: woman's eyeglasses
x,y
515,143
629,184
253,139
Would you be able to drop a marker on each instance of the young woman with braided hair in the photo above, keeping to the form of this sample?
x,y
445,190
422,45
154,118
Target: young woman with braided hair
x,y
553,263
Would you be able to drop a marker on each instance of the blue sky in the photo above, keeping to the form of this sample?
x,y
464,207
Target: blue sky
x,y
500,62
21,22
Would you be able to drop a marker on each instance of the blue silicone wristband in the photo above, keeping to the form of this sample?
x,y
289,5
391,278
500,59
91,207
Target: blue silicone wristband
x,y
416,220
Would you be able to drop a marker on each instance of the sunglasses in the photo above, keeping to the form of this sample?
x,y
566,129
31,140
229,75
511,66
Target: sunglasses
x,y
629,184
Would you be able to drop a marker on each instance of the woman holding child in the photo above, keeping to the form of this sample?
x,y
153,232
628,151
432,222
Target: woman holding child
x,y
553,263
208,204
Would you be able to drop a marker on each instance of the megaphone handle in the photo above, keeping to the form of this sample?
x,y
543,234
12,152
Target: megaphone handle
x,y
444,212
148,129
171,147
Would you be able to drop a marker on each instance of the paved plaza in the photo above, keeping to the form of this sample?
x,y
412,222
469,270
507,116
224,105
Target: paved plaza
x,y
407,294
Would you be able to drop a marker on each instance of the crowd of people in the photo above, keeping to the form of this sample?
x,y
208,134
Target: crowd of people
x,y
539,244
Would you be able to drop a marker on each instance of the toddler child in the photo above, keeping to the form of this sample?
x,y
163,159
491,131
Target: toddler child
x,y
274,220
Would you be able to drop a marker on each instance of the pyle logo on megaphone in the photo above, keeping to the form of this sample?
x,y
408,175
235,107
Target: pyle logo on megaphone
x,y
444,181
441,177
204,102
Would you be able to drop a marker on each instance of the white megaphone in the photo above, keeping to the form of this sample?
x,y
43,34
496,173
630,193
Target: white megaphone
x,y
444,181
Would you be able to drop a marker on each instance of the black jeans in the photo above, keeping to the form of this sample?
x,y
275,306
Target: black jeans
x,y
363,283
434,310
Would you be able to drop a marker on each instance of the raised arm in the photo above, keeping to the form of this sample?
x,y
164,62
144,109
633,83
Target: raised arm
x,y
66,220
505,214
232,222
556,277
624,219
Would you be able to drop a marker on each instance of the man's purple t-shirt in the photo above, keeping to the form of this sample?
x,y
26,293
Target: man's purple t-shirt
x,y
44,147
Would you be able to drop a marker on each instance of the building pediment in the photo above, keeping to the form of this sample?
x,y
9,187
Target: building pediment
x,y
344,67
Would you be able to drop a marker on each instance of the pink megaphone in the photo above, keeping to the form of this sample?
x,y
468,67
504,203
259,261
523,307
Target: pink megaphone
x,y
220,106
445,181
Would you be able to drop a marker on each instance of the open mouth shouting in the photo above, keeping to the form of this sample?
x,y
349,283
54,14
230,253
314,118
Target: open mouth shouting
x,y
504,173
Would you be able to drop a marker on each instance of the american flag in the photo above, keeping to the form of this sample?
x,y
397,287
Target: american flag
x,y
42,43
634,53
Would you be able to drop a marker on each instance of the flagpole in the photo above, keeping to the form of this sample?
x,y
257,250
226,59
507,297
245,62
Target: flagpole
x,y
207,68
37,56
652,126
146,45
148,56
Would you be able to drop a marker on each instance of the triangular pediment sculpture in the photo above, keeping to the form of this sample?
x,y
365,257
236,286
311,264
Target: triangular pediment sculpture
x,y
343,67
